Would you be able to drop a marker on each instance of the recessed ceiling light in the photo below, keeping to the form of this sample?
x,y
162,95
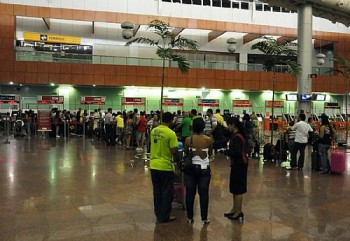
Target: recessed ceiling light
x,y
11,83
93,85
52,84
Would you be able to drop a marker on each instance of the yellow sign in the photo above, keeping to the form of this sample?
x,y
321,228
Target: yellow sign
x,y
51,38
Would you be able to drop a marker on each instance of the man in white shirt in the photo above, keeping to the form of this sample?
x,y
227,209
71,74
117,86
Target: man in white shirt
x,y
301,129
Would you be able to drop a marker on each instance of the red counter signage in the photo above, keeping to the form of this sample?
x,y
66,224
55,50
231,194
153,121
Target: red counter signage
x,y
93,100
133,101
44,120
242,103
173,102
208,102
50,99
277,104
9,99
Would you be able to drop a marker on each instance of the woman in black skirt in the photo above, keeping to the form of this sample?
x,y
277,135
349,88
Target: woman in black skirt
x,y
239,167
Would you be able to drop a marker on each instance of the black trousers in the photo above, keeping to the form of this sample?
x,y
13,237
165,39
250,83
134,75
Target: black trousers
x,y
110,134
200,181
295,148
163,193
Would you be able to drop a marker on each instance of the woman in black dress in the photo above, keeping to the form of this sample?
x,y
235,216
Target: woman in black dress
x,y
239,167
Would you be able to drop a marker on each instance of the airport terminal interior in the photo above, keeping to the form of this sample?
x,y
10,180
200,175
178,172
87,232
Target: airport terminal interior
x,y
61,178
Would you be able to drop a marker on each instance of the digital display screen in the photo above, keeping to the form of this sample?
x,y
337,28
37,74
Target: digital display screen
x,y
291,97
320,97
306,97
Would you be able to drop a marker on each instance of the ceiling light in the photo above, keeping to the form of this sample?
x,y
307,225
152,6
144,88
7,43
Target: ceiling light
x,y
11,83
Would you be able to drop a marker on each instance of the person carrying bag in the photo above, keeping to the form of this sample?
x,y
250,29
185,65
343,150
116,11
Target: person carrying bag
x,y
198,174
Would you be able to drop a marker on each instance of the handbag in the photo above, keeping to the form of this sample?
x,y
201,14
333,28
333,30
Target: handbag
x,y
185,164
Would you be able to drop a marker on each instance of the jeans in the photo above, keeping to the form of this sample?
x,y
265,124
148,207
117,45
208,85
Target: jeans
x,y
295,148
163,193
202,181
323,150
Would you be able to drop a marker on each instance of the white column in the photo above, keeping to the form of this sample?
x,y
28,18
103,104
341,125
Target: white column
x,y
305,54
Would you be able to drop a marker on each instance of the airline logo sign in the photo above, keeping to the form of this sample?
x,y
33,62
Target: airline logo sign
x,y
173,102
51,38
242,103
208,102
276,104
9,99
93,100
50,99
133,101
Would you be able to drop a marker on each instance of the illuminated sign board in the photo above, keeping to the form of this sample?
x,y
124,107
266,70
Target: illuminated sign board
x,y
51,38
50,99
93,100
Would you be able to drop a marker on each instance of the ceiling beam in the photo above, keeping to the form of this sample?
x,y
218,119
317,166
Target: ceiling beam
x,y
176,31
284,39
136,28
47,22
250,37
214,34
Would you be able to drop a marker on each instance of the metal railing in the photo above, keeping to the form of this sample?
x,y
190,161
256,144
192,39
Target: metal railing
x,y
40,56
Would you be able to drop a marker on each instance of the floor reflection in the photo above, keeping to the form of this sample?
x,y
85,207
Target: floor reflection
x,y
79,189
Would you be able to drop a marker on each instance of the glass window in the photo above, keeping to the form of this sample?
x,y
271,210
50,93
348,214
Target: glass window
x,y
206,2
187,1
285,10
197,2
176,1
226,3
166,0
235,5
258,7
276,9
244,5
267,8
216,3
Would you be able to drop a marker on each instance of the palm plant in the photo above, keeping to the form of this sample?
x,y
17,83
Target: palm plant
x,y
344,70
278,55
166,44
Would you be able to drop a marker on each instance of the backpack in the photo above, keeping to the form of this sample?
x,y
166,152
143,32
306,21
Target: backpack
x,y
220,132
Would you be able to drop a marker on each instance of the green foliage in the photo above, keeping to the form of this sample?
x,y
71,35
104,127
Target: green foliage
x,y
277,55
167,43
344,67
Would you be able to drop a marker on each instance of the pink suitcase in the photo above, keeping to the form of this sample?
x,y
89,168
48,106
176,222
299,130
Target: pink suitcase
x,y
337,162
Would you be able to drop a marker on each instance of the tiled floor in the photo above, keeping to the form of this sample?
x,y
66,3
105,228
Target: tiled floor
x,y
77,189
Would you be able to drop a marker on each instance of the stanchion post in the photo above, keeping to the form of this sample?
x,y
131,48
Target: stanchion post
x,y
84,129
65,129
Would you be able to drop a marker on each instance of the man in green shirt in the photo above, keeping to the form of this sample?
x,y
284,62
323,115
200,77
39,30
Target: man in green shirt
x,y
164,147
185,127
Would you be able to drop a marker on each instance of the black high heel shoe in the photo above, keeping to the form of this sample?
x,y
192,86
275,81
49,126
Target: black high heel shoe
x,y
239,217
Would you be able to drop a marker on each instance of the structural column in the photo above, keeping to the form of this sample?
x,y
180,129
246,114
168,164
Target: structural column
x,y
304,55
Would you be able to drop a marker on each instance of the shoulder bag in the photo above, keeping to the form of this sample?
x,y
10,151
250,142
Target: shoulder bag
x,y
185,164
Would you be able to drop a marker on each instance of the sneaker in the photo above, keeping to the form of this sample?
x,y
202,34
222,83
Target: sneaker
x,y
190,221
206,221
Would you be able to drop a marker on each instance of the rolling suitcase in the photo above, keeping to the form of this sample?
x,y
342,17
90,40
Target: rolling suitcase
x,y
337,162
315,161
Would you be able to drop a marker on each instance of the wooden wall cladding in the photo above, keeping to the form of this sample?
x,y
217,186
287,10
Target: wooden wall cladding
x,y
116,75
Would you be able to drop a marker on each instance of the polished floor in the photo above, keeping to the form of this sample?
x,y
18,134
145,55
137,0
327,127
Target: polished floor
x,y
79,190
